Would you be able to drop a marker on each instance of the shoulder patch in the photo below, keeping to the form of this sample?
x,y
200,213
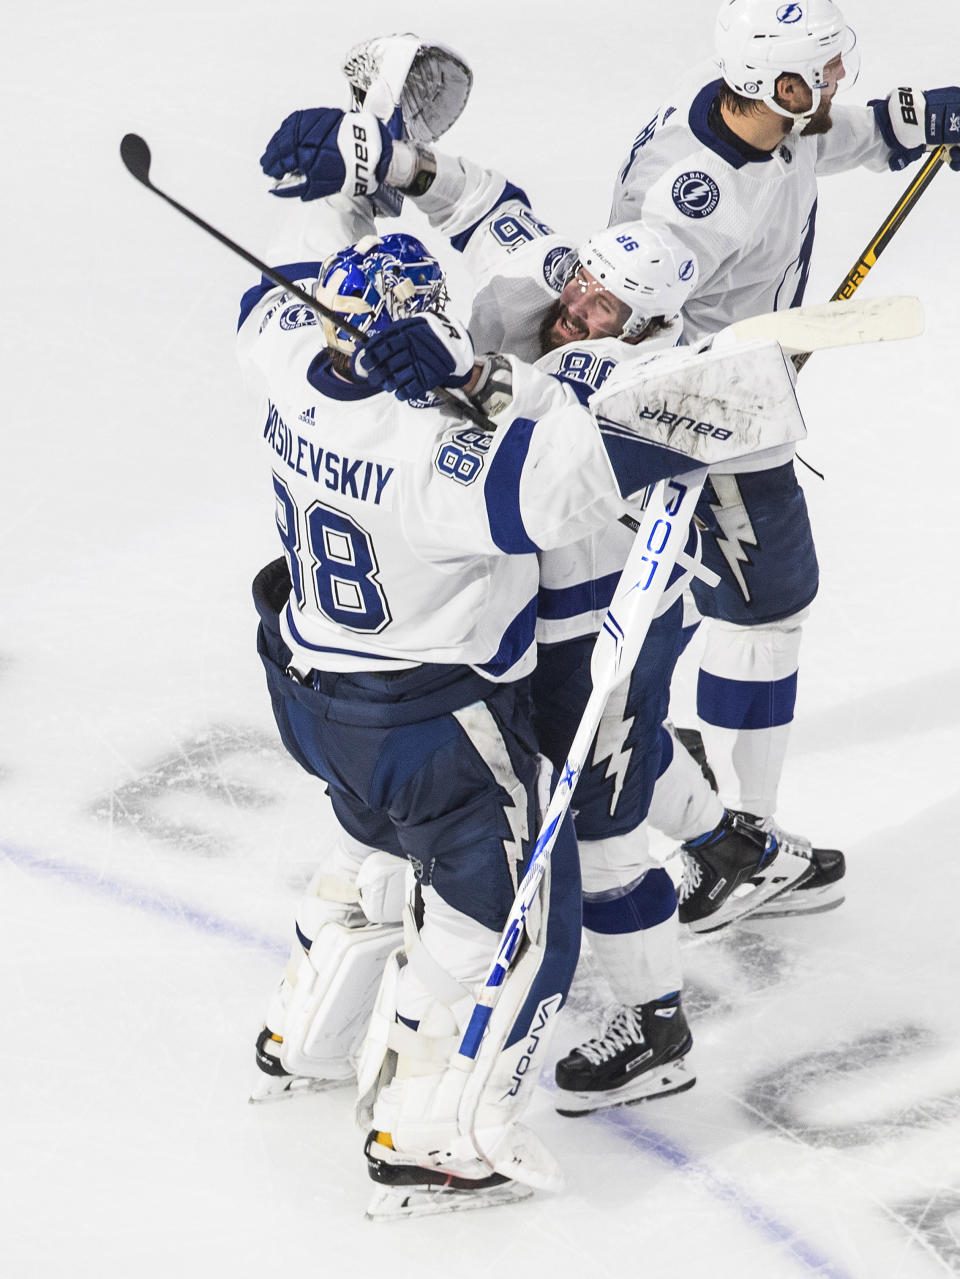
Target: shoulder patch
x,y
695,194
556,267
297,315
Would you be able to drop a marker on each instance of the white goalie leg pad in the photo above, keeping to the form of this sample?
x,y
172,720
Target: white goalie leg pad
x,y
425,994
440,1113
348,921
330,998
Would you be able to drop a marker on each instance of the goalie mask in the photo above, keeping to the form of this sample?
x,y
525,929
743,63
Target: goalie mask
x,y
377,281
757,41
647,270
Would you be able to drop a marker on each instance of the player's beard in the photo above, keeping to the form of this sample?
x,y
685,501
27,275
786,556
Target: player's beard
x,y
820,122
549,340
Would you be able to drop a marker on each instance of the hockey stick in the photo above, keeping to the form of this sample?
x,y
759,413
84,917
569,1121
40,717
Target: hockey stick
x,y
658,543
135,155
804,329
891,224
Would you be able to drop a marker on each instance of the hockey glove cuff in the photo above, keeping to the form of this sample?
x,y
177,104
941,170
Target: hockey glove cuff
x,y
911,120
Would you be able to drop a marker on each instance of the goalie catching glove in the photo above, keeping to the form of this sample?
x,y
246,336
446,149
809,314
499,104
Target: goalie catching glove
x,y
911,121
414,356
323,150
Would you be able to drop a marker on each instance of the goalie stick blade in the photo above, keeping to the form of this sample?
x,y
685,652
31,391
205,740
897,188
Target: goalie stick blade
x,y
817,328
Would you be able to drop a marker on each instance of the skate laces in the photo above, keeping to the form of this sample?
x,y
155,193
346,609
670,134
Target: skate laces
x,y
796,844
625,1030
691,877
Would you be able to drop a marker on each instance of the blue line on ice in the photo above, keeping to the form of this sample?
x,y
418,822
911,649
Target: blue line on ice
x,y
654,1143
651,1142
142,898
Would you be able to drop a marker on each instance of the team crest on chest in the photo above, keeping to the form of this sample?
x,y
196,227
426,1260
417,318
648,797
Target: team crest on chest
x,y
695,194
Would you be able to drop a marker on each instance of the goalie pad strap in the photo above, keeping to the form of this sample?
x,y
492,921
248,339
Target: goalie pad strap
x,y
421,1048
437,981
334,889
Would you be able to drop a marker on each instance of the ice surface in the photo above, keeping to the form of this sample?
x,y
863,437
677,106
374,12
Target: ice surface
x,y
154,836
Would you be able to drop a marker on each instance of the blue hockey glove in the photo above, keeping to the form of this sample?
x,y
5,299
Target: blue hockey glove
x,y
910,121
329,151
414,356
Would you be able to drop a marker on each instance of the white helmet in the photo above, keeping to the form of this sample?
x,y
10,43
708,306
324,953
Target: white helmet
x,y
759,40
649,270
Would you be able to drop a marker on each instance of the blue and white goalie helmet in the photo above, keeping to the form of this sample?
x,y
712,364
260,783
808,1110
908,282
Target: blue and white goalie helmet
x,y
376,281
645,267
758,40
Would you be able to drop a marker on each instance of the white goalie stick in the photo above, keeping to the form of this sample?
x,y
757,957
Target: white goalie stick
x,y
658,543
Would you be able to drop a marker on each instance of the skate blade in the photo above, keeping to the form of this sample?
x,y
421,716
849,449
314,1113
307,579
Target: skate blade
x,y
672,1079
787,871
804,902
279,1088
395,1203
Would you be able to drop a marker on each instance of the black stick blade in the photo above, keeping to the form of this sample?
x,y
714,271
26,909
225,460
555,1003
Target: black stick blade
x,y
135,154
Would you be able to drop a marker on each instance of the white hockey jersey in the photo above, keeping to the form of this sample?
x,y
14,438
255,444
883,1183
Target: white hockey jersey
x,y
412,536
750,216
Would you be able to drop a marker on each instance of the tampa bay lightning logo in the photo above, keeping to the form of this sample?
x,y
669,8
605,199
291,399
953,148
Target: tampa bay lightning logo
x,y
556,267
296,316
687,269
789,13
695,194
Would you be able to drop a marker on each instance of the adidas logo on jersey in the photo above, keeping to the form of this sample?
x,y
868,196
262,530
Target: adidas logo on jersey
x,y
308,416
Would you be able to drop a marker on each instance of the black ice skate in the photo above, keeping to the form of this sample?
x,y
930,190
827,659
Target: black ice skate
x,y
820,891
732,871
639,1056
407,1190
